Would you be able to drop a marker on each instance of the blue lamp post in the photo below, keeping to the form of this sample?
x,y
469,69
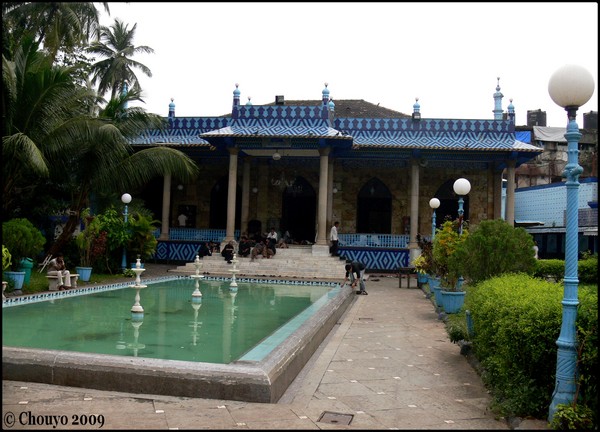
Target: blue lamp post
x,y
433,203
570,87
126,199
461,187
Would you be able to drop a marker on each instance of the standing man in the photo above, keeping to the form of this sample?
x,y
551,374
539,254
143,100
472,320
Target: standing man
x,y
333,238
355,271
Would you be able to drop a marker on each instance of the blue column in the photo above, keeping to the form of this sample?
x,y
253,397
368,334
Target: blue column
x,y
124,260
433,226
566,362
460,230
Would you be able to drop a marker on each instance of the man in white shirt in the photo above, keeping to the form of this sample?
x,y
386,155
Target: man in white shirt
x,y
333,238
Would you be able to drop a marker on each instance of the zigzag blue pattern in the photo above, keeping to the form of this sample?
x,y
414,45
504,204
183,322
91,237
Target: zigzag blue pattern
x,y
378,259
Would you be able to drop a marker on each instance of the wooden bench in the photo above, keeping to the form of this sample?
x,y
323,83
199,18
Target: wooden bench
x,y
53,281
406,272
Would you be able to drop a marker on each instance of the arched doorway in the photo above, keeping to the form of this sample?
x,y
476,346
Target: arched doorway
x,y
448,208
299,210
374,208
218,205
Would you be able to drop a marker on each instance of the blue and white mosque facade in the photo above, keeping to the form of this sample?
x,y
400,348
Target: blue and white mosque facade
x,y
302,165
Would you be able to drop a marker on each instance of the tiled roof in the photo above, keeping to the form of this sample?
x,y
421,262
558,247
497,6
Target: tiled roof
x,y
352,108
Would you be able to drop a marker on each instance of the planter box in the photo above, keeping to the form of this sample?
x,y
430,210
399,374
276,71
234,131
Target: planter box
x,y
452,301
18,278
85,273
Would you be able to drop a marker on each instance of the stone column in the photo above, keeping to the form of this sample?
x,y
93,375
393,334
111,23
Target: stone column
x,y
414,209
329,197
245,194
166,207
497,179
233,162
510,192
321,246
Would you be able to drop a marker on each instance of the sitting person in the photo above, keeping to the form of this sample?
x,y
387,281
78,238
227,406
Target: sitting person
x,y
245,246
214,247
282,244
228,251
261,248
204,250
57,267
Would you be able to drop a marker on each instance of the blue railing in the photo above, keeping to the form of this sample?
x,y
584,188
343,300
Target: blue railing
x,y
391,241
194,234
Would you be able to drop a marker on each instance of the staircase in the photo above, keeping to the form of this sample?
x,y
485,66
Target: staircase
x,y
294,262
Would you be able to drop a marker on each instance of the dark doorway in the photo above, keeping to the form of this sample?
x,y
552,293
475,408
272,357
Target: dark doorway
x,y
299,211
448,209
152,194
374,208
218,205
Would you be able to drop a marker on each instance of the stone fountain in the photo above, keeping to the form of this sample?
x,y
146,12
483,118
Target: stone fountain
x,y
197,277
234,270
137,307
196,304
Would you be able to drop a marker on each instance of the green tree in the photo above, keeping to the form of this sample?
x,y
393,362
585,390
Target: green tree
x,y
494,247
57,26
116,70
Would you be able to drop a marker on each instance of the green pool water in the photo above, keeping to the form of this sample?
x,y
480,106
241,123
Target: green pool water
x,y
222,327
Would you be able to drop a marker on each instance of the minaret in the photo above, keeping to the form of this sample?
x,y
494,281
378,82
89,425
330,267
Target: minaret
x,y
511,111
325,99
236,102
416,115
498,102
249,104
331,107
171,112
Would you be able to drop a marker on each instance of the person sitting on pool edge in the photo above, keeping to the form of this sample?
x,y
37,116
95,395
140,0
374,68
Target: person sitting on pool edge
x,y
355,271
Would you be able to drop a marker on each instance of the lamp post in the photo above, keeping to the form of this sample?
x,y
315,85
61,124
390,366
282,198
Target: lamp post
x,y
433,203
126,199
461,187
569,87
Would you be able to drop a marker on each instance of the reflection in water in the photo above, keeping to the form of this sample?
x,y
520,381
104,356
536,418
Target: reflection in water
x,y
226,324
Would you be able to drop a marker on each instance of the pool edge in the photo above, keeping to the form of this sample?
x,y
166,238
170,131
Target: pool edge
x,y
263,381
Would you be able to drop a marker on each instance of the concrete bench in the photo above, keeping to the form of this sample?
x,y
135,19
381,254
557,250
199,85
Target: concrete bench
x,y
53,281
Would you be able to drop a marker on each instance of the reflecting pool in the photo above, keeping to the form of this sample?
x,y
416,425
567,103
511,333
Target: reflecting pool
x,y
221,326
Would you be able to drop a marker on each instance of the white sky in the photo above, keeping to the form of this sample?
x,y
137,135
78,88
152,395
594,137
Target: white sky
x,y
449,55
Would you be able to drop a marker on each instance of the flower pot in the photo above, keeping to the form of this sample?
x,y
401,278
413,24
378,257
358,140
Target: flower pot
x,y
18,277
25,265
452,301
437,294
422,278
84,273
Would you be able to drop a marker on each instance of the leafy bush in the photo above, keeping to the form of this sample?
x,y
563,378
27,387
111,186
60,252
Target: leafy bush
x,y
550,268
517,320
588,269
22,239
567,417
492,248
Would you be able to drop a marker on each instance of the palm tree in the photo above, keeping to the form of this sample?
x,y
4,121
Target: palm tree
x,y
57,26
50,140
43,116
115,44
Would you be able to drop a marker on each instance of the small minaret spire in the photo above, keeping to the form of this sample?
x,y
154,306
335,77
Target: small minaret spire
x,y
171,111
498,102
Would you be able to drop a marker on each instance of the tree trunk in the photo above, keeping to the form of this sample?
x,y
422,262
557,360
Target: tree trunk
x,y
66,235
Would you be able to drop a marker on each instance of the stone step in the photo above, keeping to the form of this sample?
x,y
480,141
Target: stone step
x,y
292,262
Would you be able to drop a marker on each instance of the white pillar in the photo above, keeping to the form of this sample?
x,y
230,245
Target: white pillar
x,y
414,209
321,246
245,194
166,207
231,192
510,192
329,196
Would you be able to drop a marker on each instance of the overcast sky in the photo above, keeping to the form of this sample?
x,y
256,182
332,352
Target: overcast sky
x,y
449,55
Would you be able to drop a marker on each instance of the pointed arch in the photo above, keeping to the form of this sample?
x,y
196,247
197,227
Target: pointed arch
x,y
218,204
299,210
374,208
448,208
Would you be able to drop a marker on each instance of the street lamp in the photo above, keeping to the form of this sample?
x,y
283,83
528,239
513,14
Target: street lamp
x,y
433,203
461,187
569,87
126,198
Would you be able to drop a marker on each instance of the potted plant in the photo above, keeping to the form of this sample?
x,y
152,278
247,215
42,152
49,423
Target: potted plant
x,y
6,263
91,242
446,242
24,241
